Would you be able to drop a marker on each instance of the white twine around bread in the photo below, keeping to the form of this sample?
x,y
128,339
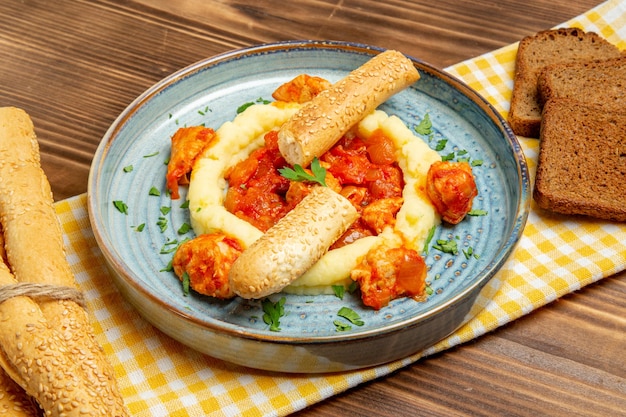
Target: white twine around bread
x,y
47,291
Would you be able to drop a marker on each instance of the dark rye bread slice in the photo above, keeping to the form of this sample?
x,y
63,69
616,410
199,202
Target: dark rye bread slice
x,y
582,160
602,82
538,51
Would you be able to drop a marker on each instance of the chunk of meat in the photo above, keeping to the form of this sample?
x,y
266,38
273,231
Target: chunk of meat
x,y
382,213
187,144
206,259
385,274
301,89
451,188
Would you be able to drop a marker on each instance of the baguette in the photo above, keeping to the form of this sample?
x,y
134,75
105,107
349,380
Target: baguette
x,y
35,252
321,122
538,51
580,168
36,357
14,401
602,82
293,245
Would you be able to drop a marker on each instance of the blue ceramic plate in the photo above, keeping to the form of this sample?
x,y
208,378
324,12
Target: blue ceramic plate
x,y
209,92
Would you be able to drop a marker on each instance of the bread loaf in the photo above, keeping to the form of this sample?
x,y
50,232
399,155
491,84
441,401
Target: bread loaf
x,y
601,81
293,245
35,253
581,167
321,122
538,51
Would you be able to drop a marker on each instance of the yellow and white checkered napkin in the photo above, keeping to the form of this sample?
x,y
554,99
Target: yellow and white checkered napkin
x,y
160,377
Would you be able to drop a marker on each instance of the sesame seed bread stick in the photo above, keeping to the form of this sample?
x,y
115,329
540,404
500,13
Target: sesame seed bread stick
x,y
13,399
35,356
321,122
293,245
35,251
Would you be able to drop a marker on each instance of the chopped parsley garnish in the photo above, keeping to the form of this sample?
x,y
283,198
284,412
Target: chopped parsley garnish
x,y
205,111
448,157
162,223
140,227
171,246
154,191
431,233
339,291
186,283
185,205
121,206
350,315
184,228
165,210
476,162
244,106
272,312
341,326
425,126
150,155
447,246
441,145
128,168
299,174
477,212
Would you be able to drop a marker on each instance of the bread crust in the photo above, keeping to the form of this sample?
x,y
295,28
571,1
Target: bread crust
x,y
599,81
535,53
293,245
36,254
582,154
321,122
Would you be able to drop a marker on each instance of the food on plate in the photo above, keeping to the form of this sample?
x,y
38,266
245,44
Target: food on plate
x,y
535,53
580,168
291,246
206,262
301,89
451,188
49,347
386,273
242,187
599,81
187,144
317,126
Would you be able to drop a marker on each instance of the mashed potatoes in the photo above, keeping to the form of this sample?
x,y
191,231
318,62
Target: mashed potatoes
x,y
239,138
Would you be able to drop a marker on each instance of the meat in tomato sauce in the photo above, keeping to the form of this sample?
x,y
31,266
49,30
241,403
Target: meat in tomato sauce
x,y
362,170
187,145
258,193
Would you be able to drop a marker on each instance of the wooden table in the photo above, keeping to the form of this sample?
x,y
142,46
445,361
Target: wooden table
x,y
75,65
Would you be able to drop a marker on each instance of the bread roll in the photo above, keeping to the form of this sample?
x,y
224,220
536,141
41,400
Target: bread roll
x,y
292,245
35,251
321,122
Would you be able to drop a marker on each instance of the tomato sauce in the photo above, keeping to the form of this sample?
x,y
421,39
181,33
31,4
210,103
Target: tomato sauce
x,y
363,171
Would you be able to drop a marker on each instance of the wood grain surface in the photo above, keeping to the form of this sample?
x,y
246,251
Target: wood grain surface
x,y
75,65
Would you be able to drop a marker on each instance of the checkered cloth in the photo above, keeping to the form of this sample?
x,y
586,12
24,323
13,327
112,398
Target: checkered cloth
x,y
160,377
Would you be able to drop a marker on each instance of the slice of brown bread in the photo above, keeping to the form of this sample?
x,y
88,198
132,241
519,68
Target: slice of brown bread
x,y
536,52
602,82
581,167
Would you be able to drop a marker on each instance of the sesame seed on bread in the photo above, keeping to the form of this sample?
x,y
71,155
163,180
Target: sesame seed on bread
x,y
581,168
538,51
600,81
